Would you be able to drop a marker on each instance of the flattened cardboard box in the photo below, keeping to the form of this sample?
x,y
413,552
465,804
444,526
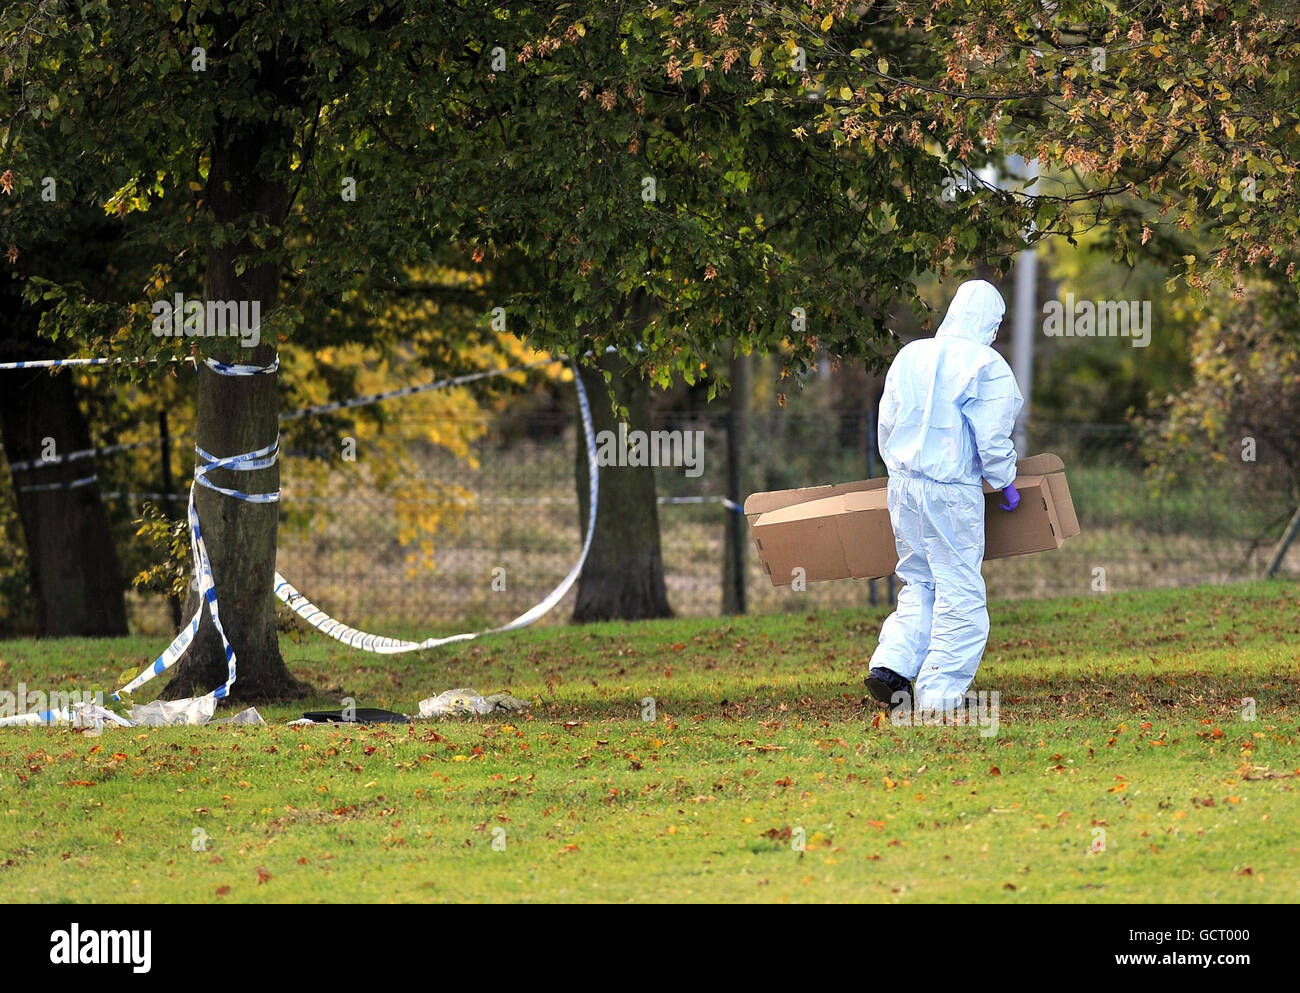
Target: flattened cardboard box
x,y
842,531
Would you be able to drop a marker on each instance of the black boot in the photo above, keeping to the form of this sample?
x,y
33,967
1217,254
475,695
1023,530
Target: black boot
x,y
888,687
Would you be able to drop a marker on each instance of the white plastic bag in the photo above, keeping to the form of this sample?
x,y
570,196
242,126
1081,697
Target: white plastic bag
x,y
249,716
162,713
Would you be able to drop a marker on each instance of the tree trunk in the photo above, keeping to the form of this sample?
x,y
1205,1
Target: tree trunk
x,y
76,578
623,577
236,415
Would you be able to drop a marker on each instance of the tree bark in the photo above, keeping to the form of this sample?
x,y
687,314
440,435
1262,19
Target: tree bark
x,y
236,415
75,574
76,578
623,577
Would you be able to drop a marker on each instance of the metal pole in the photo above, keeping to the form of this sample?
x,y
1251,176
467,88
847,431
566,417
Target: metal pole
x,y
1279,553
871,474
1022,340
734,599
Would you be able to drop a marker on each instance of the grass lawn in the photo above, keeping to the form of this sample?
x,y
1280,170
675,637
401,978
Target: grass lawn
x,y
1121,770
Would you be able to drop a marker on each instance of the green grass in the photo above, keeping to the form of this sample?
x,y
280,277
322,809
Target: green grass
x,y
1119,713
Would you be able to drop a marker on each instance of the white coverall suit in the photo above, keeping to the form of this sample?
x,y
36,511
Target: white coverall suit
x,y
946,417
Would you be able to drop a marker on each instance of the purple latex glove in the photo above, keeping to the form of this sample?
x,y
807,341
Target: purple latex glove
x,y
1011,497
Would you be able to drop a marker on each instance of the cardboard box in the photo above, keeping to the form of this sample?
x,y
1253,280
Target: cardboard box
x,y
842,531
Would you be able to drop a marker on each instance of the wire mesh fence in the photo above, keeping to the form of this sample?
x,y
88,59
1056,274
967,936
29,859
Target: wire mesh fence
x,y
444,542
517,531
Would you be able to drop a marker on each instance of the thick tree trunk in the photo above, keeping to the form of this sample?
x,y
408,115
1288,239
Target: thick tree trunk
x,y
623,577
237,415
75,574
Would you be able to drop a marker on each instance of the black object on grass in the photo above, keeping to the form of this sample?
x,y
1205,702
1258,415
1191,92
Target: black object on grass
x,y
361,715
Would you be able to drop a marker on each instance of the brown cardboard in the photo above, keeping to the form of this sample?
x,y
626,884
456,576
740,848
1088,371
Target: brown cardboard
x,y
842,531
761,503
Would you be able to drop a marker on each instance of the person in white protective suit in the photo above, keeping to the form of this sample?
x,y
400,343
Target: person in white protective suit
x,y
946,417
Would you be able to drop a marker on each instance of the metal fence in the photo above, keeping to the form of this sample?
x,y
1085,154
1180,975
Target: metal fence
x,y
447,543
520,516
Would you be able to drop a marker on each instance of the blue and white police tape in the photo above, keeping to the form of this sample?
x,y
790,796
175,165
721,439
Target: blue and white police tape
x,y
74,484
322,408
381,645
267,456
406,391
84,714
59,363
224,368
204,463
82,453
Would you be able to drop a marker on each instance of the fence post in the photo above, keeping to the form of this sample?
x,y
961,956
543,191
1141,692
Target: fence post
x,y
871,474
1279,553
733,587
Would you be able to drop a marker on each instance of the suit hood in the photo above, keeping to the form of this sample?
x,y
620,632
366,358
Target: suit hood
x,y
975,312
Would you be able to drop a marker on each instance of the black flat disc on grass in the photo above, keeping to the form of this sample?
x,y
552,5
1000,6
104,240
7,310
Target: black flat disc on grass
x,y
362,715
